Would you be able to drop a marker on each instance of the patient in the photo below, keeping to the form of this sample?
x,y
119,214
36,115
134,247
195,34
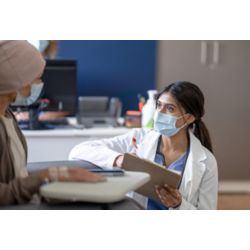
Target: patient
x,y
21,67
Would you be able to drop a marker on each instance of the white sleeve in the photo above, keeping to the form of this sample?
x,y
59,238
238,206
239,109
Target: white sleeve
x,y
103,152
208,190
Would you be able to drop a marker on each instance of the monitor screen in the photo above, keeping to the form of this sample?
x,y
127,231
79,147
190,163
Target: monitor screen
x,y
60,85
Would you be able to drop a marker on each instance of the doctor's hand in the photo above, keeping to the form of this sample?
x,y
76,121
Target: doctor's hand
x,y
118,161
170,197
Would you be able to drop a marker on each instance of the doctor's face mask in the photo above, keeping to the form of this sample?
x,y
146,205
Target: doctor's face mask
x,y
167,114
36,90
165,124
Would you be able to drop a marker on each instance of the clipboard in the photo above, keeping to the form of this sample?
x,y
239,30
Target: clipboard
x,y
159,174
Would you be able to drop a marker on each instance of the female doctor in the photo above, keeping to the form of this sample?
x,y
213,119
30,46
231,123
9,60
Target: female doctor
x,y
180,141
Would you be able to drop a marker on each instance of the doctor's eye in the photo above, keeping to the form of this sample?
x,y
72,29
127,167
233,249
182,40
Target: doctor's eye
x,y
170,108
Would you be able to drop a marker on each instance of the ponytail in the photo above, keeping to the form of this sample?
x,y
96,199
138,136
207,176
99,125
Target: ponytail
x,y
201,132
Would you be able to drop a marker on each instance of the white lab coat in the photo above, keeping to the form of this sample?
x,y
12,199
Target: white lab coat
x,y
199,184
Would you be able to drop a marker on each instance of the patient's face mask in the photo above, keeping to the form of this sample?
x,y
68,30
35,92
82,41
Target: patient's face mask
x,y
166,124
36,90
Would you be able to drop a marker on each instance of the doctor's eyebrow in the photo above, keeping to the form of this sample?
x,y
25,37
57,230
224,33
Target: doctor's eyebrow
x,y
165,103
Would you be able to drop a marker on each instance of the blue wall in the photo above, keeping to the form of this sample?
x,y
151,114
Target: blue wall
x,y
113,68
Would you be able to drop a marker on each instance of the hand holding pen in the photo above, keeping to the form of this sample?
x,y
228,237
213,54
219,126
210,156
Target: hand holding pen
x,y
134,143
119,159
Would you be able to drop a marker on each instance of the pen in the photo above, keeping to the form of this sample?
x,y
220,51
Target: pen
x,y
134,142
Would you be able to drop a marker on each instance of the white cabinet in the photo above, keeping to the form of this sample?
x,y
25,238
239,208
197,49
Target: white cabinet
x,y
222,70
54,145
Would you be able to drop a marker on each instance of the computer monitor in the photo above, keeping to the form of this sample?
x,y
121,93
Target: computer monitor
x,y
60,85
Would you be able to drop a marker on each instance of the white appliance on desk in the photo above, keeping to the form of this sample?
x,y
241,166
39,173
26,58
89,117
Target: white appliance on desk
x,y
113,189
55,144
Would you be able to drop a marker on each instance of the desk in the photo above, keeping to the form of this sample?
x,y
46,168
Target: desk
x,y
55,145
129,182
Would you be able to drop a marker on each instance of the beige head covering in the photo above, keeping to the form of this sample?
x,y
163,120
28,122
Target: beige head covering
x,y
20,64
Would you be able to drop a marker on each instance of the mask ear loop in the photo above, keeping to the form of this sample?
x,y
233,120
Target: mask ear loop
x,y
185,124
182,115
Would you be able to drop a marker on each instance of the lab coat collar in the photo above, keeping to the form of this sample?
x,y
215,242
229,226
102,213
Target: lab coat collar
x,y
196,149
195,167
148,147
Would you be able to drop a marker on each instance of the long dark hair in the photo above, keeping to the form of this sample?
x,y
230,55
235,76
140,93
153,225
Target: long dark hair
x,y
190,97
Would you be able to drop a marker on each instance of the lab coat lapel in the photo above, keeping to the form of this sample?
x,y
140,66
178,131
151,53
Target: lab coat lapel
x,y
195,168
147,149
149,145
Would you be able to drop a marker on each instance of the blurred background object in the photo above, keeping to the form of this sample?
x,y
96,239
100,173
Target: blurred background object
x,y
98,111
148,110
133,119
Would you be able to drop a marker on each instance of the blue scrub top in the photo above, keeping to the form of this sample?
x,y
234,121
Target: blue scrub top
x,y
178,165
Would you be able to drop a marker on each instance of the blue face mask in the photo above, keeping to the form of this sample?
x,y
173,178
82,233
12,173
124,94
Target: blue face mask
x,y
166,124
36,90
